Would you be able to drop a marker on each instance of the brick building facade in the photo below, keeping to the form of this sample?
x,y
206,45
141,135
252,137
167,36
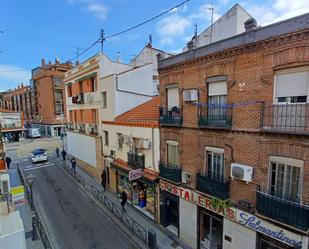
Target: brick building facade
x,y
234,139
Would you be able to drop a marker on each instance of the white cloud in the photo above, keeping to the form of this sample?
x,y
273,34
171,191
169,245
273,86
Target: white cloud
x,y
173,25
96,7
11,76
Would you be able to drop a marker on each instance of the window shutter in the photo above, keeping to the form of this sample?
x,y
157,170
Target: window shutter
x,y
217,88
172,97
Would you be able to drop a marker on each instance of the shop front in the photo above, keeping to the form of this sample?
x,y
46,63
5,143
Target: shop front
x,y
169,211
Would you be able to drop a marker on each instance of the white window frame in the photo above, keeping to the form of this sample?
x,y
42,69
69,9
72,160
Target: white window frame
x,y
172,143
213,150
286,161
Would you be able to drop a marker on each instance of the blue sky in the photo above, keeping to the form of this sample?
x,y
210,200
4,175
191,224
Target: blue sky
x,y
35,29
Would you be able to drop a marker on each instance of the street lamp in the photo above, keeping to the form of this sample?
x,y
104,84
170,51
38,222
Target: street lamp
x,y
30,180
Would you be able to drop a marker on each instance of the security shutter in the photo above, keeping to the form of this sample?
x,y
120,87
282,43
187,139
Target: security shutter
x,y
172,97
217,88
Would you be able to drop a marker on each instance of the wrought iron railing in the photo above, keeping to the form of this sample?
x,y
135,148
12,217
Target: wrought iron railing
x,y
217,116
212,187
136,160
287,212
170,172
285,117
172,117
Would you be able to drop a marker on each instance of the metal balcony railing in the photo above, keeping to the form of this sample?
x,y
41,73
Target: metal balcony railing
x,y
216,116
136,160
170,172
171,117
288,118
282,210
78,99
212,187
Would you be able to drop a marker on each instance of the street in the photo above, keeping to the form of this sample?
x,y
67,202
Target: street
x,y
73,220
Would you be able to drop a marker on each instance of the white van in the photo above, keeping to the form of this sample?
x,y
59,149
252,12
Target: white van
x,y
34,132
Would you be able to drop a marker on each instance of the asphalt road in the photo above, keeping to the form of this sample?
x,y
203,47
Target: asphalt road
x,y
73,220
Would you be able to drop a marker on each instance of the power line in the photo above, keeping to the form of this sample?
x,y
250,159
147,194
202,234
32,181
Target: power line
x,y
103,38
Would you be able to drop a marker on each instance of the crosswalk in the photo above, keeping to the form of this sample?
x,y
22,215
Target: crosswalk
x,y
38,166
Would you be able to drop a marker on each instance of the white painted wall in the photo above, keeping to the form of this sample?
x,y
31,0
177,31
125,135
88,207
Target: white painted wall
x,y
108,67
242,237
152,155
188,222
82,147
108,85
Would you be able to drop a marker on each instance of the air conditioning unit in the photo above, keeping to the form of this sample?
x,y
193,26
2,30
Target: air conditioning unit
x,y
190,95
4,184
144,144
126,139
185,177
242,172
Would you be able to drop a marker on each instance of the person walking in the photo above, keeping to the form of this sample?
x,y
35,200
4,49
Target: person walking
x,y
103,181
73,162
64,153
57,152
123,200
8,161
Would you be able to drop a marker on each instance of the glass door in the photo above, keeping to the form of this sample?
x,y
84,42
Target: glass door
x,y
211,228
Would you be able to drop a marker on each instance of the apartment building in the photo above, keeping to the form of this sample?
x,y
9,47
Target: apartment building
x,y
99,90
132,139
234,143
47,89
20,100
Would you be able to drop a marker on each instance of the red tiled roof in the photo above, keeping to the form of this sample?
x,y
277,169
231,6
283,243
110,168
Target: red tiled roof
x,y
148,111
5,110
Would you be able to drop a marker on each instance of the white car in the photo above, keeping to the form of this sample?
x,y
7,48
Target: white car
x,y
39,155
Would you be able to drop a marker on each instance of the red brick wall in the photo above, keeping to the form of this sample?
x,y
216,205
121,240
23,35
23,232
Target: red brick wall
x,y
250,81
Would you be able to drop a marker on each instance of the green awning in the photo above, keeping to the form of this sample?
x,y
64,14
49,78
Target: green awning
x,y
86,77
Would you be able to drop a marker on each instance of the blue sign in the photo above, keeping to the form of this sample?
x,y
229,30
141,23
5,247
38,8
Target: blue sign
x,y
254,223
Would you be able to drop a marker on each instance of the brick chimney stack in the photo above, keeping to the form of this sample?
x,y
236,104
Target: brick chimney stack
x,y
250,24
43,64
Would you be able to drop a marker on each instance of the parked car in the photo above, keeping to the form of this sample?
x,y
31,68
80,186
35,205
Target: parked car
x,y
39,155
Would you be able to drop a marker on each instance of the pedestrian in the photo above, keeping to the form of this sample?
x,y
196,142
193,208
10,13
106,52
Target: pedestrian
x,y
8,161
57,152
103,181
123,200
73,162
64,153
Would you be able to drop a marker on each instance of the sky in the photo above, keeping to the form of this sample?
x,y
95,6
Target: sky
x,y
35,29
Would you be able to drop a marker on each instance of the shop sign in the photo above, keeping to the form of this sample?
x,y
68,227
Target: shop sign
x,y
135,174
18,195
266,228
199,199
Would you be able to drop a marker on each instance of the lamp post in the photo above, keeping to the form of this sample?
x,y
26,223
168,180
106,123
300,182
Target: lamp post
x,y
30,180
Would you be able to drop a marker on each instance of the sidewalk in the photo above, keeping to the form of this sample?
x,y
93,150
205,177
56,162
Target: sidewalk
x,y
165,238
25,212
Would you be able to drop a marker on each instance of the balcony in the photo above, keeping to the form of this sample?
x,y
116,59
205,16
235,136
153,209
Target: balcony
x,y
172,117
285,118
212,187
78,99
93,129
170,172
288,212
216,116
71,126
136,160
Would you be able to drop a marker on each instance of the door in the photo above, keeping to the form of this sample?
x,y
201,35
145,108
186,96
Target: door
x,y
211,228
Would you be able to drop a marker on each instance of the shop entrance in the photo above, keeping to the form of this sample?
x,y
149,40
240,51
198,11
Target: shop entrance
x,y
265,242
211,230
169,211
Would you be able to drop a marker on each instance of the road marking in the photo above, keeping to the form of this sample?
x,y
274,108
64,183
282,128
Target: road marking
x,y
25,160
35,167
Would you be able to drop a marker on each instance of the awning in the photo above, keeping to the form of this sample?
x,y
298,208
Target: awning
x,y
149,176
86,77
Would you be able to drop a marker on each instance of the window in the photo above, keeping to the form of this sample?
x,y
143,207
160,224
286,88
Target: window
x,y
69,89
105,138
57,81
120,141
285,178
58,108
172,98
215,163
104,99
93,84
172,154
291,85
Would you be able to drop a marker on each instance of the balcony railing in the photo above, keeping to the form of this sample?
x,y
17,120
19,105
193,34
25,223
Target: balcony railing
x,y
213,187
78,99
136,160
216,116
71,126
170,172
171,117
285,118
288,212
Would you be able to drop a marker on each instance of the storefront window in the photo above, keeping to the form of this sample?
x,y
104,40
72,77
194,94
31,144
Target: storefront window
x,y
265,242
211,231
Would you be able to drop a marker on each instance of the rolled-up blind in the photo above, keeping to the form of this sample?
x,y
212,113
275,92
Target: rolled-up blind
x,y
217,88
292,84
172,97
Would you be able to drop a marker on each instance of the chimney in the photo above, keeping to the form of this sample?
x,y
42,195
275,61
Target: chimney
x,y
49,63
250,24
21,85
43,64
57,61
190,45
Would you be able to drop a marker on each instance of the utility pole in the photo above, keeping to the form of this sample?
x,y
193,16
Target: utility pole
x,y
102,39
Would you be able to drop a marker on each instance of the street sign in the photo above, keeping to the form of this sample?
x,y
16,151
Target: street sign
x,y
135,174
18,195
